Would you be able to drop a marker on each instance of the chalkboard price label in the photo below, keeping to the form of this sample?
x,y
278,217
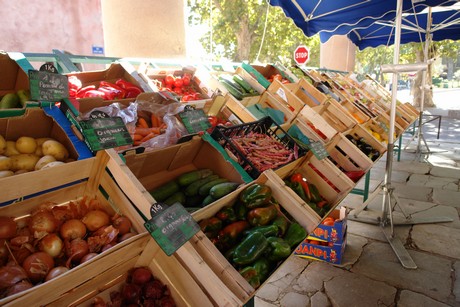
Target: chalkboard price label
x,y
171,226
49,68
102,131
194,120
47,86
318,150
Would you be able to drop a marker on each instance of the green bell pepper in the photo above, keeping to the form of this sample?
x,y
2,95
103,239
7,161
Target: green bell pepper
x,y
263,267
226,215
256,195
240,210
298,189
211,226
267,231
250,274
250,249
295,234
262,215
282,223
279,249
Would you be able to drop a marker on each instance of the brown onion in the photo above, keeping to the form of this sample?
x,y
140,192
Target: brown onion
x,y
23,252
123,224
4,253
95,219
88,257
43,221
126,236
51,244
38,265
55,272
19,287
10,275
7,227
107,246
75,250
141,275
72,229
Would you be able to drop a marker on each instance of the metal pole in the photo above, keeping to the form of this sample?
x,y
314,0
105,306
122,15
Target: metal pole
x,y
389,163
424,73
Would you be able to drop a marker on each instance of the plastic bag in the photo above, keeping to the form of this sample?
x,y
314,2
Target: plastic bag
x,y
173,127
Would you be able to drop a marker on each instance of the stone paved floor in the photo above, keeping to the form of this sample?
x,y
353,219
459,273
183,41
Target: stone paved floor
x,y
370,273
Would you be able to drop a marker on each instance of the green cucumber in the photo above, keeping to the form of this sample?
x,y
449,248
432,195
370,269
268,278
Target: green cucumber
x,y
24,96
178,197
9,101
232,89
189,177
163,192
222,189
192,189
208,200
204,190
243,83
193,201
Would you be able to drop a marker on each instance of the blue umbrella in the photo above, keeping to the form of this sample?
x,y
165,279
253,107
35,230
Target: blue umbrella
x,y
342,16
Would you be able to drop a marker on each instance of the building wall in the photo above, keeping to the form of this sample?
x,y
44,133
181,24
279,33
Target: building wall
x,y
338,53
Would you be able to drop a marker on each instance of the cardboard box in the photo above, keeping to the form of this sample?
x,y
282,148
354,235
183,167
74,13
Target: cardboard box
x,y
13,78
332,254
92,178
268,70
335,233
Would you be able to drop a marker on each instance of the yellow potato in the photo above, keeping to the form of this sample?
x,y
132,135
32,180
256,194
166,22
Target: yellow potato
x,y
11,149
43,161
39,151
52,164
26,144
55,149
4,174
24,162
40,141
2,145
21,171
5,163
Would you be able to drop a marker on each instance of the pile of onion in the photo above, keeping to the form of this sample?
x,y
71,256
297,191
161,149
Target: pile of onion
x,y
53,240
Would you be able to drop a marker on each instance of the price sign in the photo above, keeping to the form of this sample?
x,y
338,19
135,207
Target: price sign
x,y
46,86
102,131
171,226
194,120
318,150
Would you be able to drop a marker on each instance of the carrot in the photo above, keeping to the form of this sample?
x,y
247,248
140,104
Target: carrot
x,y
142,123
137,137
163,126
137,143
149,136
146,131
155,121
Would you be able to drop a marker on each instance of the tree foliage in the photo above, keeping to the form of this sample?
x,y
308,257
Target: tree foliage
x,y
237,28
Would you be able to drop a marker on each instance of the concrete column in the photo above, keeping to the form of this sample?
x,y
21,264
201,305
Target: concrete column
x,y
338,53
144,28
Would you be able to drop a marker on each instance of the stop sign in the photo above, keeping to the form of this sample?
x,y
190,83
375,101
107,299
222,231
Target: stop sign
x,y
301,55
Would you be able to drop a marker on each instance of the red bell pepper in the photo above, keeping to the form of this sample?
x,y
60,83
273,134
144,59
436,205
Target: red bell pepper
x,y
81,92
94,93
121,91
111,93
131,90
297,177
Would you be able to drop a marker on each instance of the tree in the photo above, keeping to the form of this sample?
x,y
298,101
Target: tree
x,y
237,28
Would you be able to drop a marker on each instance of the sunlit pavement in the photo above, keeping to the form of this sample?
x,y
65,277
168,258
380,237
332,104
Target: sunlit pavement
x,y
370,274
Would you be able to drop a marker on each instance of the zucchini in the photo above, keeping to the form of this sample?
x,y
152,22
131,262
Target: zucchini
x,y
192,189
178,197
243,83
163,192
208,199
232,89
193,201
204,190
222,189
188,178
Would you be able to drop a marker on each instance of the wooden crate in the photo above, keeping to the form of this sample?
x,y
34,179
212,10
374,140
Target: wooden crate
x,y
287,102
335,115
346,156
312,123
169,270
404,118
250,79
91,178
379,130
221,267
358,132
307,93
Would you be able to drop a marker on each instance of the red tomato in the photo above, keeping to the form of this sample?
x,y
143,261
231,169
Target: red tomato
x,y
178,82
169,80
213,120
196,96
178,90
186,80
277,77
187,97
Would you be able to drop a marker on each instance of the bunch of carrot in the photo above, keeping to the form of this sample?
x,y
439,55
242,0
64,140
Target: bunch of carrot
x,y
147,128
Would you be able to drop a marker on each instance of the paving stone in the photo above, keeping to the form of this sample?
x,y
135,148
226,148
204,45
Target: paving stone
x,y
433,182
439,211
358,290
445,172
351,201
258,302
312,278
412,192
294,299
456,290
411,206
411,299
375,232
282,278
446,197
373,184
353,249
319,299
432,276
437,239
412,167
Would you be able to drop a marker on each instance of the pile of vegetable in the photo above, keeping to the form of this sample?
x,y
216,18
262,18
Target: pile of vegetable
x,y
148,126
262,151
30,154
308,192
194,189
254,234
106,90
15,100
366,148
237,86
278,77
54,239
179,85
140,288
